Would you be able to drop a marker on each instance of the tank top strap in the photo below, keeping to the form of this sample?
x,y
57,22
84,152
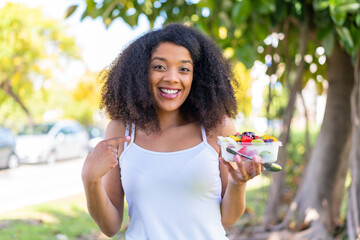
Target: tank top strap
x,y
203,133
132,132
127,131
126,134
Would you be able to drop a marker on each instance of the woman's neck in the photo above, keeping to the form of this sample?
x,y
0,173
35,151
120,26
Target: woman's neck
x,y
168,120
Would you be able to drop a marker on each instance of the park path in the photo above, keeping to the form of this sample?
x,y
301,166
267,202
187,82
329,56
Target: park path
x,y
33,184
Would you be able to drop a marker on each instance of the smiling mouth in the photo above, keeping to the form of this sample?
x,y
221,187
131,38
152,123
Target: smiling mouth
x,y
169,91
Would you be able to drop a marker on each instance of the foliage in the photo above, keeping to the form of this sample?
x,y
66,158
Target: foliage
x,y
86,97
249,30
242,91
279,101
295,163
55,102
30,48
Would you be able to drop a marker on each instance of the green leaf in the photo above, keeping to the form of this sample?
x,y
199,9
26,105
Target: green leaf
x,y
328,43
246,54
90,5
84,15
349,8
241,11
107,10
264,7
357,19
320,5
261,31
281,11
355,33
70,10
322,19
224,19
345,36
338,17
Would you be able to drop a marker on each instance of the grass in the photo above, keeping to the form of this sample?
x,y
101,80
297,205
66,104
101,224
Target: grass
x,y
63,219
68,218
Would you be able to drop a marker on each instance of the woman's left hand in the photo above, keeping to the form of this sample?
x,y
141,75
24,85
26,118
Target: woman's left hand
x,y
243,170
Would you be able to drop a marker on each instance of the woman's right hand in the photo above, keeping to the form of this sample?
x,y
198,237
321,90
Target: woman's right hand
x,y
103,158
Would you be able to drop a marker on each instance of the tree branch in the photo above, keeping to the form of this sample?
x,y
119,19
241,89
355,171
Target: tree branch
x,y
8,89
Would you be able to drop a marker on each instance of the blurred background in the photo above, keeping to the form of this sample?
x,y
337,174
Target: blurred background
x,y
297,65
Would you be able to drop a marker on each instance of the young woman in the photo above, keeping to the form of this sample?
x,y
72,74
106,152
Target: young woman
x,y
168,96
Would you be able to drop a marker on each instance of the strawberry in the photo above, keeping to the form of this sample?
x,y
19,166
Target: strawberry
x,y
246,139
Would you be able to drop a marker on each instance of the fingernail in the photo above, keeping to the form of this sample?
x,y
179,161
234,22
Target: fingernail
x,y
127,137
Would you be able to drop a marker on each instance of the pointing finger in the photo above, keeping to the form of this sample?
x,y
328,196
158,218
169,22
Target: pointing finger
x,y
116,141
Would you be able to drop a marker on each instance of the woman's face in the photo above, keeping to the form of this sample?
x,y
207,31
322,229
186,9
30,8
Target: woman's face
x,y
170,76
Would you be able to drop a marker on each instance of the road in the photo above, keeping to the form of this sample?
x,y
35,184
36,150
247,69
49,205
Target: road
x,y
32,184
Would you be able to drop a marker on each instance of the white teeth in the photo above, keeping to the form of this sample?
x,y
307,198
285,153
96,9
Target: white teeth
x,y
168,91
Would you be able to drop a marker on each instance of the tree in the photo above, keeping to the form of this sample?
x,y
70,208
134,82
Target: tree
x,y
85,98
288,36
30,47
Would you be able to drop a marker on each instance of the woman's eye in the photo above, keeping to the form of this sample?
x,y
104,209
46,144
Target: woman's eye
x,y
184,69
159,67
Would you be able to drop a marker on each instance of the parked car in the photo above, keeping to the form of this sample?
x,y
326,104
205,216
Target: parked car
x,y
96,135
8,157
49,142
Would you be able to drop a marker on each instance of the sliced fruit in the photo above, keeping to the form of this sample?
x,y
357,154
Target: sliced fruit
x,y
257,140
248,134
246,139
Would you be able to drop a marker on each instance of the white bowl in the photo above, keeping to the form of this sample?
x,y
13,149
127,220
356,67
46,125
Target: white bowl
x,y
268,151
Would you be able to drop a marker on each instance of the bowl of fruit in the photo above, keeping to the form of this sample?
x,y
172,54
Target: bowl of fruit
x,y
248,144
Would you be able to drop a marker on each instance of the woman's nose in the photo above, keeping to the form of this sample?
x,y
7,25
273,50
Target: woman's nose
x,y
171,75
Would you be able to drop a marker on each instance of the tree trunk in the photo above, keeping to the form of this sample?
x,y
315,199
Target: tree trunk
x,y
353,213
271,213
318,199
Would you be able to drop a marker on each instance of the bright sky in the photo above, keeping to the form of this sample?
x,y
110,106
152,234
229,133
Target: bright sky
x,y
99,46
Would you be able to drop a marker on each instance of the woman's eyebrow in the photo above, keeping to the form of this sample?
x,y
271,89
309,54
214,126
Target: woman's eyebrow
x,y
158,58
187,61
164,59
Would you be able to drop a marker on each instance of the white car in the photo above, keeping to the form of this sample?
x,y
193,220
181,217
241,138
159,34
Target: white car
x,y
48,142
8,158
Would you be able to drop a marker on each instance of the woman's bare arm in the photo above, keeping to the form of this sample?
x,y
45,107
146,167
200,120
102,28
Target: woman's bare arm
x,y
234,177
102,182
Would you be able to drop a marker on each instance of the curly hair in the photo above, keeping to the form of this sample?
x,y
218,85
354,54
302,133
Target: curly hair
x,y
126,95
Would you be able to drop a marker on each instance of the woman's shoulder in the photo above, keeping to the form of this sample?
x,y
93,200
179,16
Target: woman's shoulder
x,y
115,128
224,128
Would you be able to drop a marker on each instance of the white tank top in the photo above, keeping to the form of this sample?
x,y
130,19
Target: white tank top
x,y
172,195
